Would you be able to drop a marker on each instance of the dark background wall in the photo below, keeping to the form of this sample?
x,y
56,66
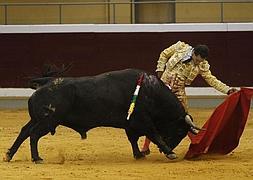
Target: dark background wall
x,y
23,55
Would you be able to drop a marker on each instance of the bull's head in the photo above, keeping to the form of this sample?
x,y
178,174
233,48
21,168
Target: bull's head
x,y
51,70
49,73
180,131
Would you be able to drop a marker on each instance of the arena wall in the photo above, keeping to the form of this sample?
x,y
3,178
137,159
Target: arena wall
x,y
95,49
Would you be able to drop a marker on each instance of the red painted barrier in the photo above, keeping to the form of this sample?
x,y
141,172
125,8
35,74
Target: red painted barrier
x,y
23,55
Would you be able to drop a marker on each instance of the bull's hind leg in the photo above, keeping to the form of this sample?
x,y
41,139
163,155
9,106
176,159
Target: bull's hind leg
x,y
23,135
37,131
133,138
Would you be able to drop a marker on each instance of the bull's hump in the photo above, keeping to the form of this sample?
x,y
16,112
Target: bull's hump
x,y
151,80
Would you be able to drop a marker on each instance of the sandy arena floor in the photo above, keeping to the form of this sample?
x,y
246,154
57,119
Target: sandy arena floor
x,y
106,154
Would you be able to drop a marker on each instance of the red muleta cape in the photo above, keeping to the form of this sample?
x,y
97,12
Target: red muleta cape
x,y
224,128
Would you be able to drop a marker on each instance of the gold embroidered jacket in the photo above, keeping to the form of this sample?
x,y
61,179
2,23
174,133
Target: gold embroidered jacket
x,y
178,74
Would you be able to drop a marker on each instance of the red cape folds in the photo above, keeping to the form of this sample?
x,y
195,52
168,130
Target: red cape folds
x,y
224,128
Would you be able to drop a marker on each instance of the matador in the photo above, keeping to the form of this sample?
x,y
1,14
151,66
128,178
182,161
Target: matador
x,y
177,66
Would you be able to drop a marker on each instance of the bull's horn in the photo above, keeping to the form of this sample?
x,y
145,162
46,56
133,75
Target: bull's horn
x,y
193,131
189,121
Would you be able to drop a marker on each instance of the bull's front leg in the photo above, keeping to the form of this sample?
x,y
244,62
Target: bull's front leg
x,y
133,138
158,140
39,130
23,135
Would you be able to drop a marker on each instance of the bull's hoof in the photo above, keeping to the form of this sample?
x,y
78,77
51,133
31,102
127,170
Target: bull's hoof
x,y
145,152
52,132
7,157
171,156
84,136
139,156
38,160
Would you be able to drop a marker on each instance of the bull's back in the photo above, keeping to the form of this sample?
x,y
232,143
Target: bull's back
x,y
101,100
105,99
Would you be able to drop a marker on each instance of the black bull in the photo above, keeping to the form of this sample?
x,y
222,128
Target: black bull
x,y
103,100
